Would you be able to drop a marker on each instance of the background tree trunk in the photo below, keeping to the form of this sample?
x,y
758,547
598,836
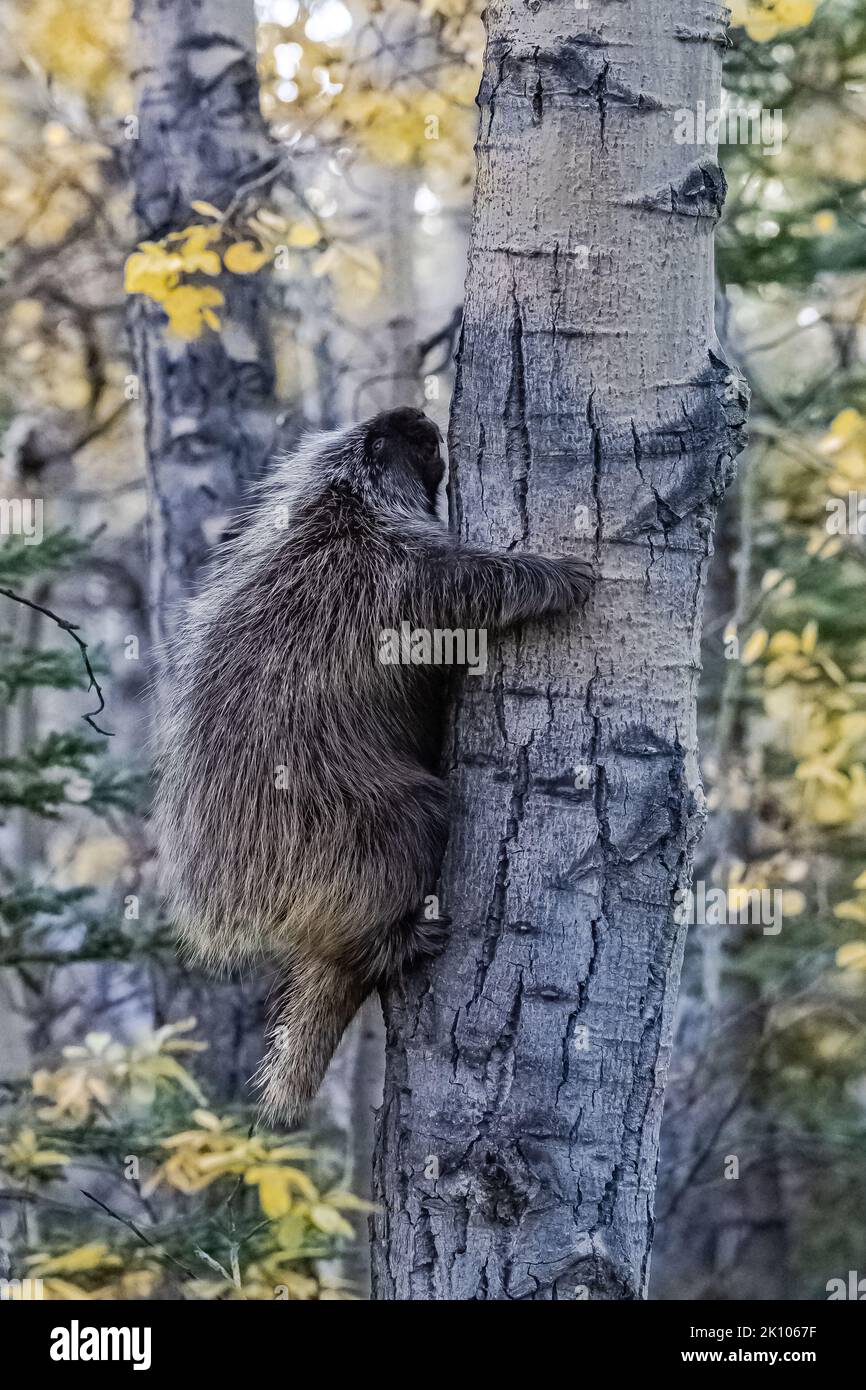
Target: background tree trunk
x,y
723,1227
518,1137
209,404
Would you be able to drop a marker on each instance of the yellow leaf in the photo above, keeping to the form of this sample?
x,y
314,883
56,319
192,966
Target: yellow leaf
x,y
291,1234
833,1044
145,273
72,393
193,249
81,45
245,257
852,910
764,19
95,1255
755,646
329,1220
770,579
64,1290
784,643
831,669
852,956
291,1151
206,209
272,220
846,423
273,1191
196,237
27,313
207,1120
347,1201
205,262
303,234
793,902
168,1069
168,1033
293,1177
830,808
185,307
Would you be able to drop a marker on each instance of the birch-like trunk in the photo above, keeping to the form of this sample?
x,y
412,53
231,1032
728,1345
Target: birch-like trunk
x,y
594,414
209,404
722,1232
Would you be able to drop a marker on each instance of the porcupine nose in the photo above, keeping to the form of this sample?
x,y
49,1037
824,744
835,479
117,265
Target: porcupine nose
x,y
424,430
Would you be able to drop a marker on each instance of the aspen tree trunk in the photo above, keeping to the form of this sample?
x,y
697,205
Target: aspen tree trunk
x,y
593,414
718,1238
208,405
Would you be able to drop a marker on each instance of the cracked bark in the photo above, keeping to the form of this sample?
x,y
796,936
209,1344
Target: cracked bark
x,y
518,1137
208,405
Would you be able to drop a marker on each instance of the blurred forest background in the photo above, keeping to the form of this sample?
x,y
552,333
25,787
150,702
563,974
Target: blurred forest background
x,y
128,1165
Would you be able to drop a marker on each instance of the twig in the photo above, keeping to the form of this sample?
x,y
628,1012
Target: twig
x,y
213,1264
445,335
72,628
257,177
125,1221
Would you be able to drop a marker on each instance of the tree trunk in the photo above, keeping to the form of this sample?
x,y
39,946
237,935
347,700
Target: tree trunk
x,y
209,404
593,413
722,1229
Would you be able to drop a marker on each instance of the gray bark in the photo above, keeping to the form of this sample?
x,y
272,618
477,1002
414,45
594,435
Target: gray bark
x,y
209,405
720,1235
525,1070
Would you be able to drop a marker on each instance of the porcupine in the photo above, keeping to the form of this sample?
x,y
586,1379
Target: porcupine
x,y
299,814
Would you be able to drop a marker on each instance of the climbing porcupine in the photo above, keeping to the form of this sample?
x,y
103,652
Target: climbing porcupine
x,y
299,814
